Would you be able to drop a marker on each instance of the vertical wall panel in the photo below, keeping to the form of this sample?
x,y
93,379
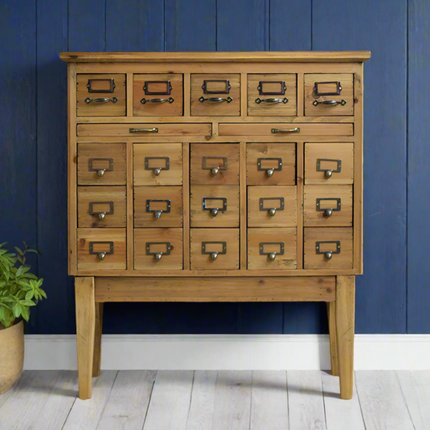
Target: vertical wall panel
x,y
381,28
418,168
134,25
190,25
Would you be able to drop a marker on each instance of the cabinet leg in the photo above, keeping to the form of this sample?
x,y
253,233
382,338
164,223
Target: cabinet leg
x,y
85,329
334,354
98,340
345,316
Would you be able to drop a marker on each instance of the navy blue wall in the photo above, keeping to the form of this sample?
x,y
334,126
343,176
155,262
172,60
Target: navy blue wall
x,y
393,296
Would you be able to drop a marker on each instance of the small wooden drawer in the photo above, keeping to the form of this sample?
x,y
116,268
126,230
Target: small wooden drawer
x,y
271,163
272,206
215,164
272,94
101,207
329,163
214,249
158,207
158,95
144,130
214,206
158,249
157,163
272,248
101,249
215,94
101,164
282,130
328,205
328,248
100,95
329,94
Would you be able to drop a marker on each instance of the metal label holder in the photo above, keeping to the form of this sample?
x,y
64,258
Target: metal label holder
x,y
223,167
111,248
227,86
280,208
93,212
337,170
271,93
148,248
93,169
149,210
157,93
335,93
110,81
335,242
224,248
333,199
166,159
281,244
279,160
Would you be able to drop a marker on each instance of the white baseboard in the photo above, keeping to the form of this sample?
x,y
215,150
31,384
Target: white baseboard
x,y
235,352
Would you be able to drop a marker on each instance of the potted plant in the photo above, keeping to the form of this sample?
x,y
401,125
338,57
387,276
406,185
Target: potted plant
x,y
19,290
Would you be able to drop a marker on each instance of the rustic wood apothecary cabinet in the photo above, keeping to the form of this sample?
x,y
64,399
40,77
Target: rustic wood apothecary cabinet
x,y
215,177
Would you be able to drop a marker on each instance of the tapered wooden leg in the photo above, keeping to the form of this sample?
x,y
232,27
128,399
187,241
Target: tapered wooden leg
x,y
85,328
98,340
334,354
345,317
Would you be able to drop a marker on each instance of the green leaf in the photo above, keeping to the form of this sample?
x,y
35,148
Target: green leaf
x,y
29,295
27,303
19,251
34,251
17,310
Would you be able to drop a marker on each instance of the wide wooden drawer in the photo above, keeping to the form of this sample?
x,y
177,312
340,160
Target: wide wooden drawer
x,y
101,249
215,94
272,94
144,130
158,95
328,248
272,248
101,164
329,94
271,163
329,163
213,249
158,207
274,206
215,164
214,206
157,163
100,95
285,129
328,205
158,249
101,207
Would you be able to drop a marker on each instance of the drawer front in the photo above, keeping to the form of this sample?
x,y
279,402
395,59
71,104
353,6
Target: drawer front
x,y
272,248
215,94
215,164
328,248
157,163
158,95
271,163
214,206
329,163
272,206
144,130
158,249
158,207
100,95
272,94
101,207
285,130
214,249
328,205
101,164
329,94
101,249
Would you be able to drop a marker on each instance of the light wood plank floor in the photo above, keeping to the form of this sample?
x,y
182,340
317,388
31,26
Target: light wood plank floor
x,y
223,400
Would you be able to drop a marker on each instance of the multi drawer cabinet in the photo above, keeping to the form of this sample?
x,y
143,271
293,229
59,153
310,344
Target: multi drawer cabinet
x,y
215,177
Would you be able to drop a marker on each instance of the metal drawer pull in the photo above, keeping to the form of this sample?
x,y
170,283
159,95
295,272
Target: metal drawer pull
x,y
100,172
157,212
271,255
215,99
328,173
329,211
269,170
101,215
214,255
147,130
101,100
170,100
226,90
258,100
110,82
286,130
158,255
272,210
216,169
103,254
318,93
157,93
330,102
157,170
328,254
214,211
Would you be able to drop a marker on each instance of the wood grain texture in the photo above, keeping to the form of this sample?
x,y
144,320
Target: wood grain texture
x,y
186,203
98,333
334,352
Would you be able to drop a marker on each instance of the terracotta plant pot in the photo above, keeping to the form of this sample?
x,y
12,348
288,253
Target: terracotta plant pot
x,y
11,355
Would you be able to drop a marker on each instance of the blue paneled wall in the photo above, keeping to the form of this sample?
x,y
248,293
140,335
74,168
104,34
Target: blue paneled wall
x,y
393,296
